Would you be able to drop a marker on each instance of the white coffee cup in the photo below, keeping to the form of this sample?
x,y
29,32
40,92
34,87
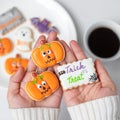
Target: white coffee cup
x,y
107,24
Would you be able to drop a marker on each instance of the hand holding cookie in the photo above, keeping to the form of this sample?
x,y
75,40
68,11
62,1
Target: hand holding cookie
x,y
103,87
49,94
91,82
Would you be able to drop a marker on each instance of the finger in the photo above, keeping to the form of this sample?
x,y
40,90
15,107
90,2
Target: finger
x,y
40,70
52,36
15,81
63,61
50,69
31,65
78,52
69,54
42,40
104,76
69,57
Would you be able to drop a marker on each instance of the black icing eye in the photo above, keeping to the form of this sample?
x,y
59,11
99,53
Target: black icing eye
x,y
49,51
39,86
43,83
44,54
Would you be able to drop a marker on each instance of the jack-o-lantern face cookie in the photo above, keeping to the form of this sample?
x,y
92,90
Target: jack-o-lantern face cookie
x,y
12,64
42,86
5,46
48,54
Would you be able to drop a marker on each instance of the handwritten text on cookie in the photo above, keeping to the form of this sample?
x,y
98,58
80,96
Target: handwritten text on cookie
x,y
77,73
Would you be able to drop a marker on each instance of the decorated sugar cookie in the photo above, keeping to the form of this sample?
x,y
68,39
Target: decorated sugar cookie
x,y
24,37
77,73
12,64
43,26
5,46
10,20
42,86
48,54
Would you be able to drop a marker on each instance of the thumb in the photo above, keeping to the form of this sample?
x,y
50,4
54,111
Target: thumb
x,y
103,76
15,81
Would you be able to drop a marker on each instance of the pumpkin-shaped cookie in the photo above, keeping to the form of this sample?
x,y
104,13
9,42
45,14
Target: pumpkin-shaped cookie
x,y
5,46
42,86
48,54
12,64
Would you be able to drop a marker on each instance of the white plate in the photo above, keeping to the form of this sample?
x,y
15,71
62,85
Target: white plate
x,y
48,9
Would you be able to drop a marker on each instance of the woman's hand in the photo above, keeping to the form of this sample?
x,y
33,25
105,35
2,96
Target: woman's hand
x,y
17,97
104,87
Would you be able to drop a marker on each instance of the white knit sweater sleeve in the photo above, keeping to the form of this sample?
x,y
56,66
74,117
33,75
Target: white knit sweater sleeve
x,y
100,109
35,114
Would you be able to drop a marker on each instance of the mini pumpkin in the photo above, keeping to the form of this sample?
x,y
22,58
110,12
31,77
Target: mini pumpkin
x,y
12,64
42,86
48,54
5,46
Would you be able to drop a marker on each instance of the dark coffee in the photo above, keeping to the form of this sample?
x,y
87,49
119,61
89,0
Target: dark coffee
x,y
103,42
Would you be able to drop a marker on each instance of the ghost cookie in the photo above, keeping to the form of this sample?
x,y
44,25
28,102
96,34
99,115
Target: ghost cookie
x,y
48,54
42,86
12,64
77,73
5,46
24,39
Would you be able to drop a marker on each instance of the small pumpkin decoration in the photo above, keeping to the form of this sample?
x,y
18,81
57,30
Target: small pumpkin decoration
x,y
42,86
12,64
48,54
5,46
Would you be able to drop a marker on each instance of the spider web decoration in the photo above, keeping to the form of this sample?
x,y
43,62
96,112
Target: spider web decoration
x,y
93,77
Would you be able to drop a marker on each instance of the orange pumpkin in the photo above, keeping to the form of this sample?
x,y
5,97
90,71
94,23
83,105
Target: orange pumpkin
x,y
12,64
48,54
42,86
5,46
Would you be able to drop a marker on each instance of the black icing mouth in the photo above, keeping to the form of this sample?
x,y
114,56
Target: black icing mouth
x,y
50,60
45,91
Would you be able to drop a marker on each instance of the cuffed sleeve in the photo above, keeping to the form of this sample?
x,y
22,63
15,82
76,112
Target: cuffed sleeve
x,y
100,109
35,114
